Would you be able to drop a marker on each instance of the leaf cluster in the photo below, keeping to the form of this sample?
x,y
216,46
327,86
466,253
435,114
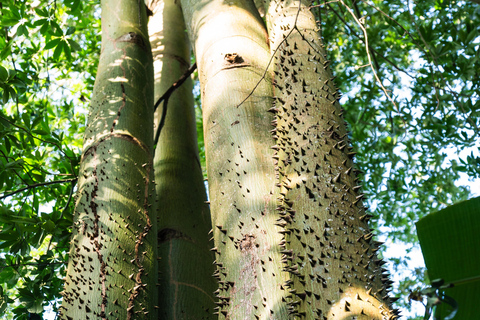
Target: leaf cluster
x,y
426,55
49,52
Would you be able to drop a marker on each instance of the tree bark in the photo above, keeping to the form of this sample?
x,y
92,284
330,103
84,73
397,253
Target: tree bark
x,y
112,269
232,52
186,284
334,271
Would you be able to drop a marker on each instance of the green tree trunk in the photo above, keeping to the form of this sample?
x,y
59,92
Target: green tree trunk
x,y
112,271
331,258
231,48
186,262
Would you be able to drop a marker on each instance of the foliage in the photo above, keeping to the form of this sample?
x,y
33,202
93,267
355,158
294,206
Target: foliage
x,y
426,56
49,52
425,53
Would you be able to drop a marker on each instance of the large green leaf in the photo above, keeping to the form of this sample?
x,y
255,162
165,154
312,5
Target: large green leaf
x,y
451,249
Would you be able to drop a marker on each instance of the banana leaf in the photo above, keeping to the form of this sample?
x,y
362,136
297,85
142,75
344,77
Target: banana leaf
x,y
450,242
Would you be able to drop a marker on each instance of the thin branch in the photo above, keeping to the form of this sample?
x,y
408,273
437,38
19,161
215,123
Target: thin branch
x,y
367,49
432,84
442,78
165,98
395,21
32,264
33,186
15,171
174,86
162,120
64,209
357,12
371,48
273,56
35,137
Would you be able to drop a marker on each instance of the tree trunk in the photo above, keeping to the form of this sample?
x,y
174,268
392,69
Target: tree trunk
x,y
331,257
232,52
112,266
186,262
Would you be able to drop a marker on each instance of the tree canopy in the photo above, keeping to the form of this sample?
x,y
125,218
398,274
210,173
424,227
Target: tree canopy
x,y
409,72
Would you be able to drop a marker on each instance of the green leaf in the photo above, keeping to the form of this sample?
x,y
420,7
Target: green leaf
x,y
16,247
11,74
36,306
23,220
40,22
55,29
3,303
58,51
41,132
74,45
49,226
53,43
26,120
471,35
8,236
70,30
6,94
9,22
41,12
66,49
451,248
3,74
22,30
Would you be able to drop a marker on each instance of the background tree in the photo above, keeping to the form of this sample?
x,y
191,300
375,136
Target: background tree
x,y
231,60
412,152
112,266
185,260
319,187
49,52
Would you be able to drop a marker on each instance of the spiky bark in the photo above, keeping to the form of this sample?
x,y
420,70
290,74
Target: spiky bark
x,y
331,257
232,54
112,266
186,284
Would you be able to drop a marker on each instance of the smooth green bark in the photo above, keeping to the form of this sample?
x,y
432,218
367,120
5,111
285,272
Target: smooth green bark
x,y
335,273
186,284
112,271
232,53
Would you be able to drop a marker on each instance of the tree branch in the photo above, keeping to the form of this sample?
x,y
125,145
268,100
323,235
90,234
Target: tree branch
x,y
370,47
165,98
174,86
273,56
33,186
367,49
35,137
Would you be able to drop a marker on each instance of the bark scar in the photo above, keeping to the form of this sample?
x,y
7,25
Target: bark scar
x,y
133,37
168,234
233,60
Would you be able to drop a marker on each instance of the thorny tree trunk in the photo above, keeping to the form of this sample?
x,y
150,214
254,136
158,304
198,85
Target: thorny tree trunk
x,y
330,269
329,252
186,284
231,48
112,266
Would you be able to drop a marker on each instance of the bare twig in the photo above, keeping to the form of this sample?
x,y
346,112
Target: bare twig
x,y
174,86
166,96
33,186
273,56
35,137
367,49
371,48
70,195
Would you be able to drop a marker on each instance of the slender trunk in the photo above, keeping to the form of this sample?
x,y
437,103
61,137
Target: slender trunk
x,y
335,273
186,262
112,266
232,53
